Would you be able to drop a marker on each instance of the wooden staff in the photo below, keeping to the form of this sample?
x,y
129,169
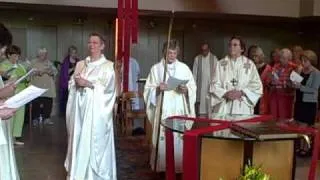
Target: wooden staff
x,y
117,79
159,115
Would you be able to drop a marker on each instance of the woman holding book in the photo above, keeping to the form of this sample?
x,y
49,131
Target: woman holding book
x,y
14,71
305,107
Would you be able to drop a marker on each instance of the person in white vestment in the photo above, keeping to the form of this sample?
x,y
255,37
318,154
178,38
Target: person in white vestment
x,y
179,101
92,93
203,70
236,85
8,167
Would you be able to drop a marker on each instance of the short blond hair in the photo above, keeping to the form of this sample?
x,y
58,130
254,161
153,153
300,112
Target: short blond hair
x,y
310,56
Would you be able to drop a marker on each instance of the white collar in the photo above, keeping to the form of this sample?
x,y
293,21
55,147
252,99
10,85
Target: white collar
x,y
97,62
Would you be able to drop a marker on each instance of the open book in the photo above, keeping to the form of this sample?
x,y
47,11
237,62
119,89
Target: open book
x,y
263,130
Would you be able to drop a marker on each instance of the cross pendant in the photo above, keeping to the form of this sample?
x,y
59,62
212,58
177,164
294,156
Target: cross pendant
x,y
234,82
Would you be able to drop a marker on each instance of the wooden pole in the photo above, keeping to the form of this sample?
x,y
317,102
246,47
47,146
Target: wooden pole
x,y
159,116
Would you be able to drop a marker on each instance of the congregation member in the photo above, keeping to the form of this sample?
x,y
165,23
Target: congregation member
x,y
274,57
297,52
16,71
44,77
258,57
8,167
281,89
306,99
66,71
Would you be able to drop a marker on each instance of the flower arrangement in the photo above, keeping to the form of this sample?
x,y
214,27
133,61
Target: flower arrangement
x,y
253,173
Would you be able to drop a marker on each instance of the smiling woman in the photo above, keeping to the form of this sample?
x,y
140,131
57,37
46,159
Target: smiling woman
x,y
14,71
91,151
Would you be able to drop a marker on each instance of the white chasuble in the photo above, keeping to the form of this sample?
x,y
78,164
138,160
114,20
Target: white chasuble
x,y
8,167
203,71
239,74
174,103
91,150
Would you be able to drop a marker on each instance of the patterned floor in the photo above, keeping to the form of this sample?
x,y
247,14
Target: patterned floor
x,y
43,154
132,159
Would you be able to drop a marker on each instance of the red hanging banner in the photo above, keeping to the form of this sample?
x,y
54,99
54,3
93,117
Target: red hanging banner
x,y
135,21
120,30
127,33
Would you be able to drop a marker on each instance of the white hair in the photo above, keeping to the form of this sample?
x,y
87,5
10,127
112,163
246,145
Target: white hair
x,y
260,52
42,50
285,52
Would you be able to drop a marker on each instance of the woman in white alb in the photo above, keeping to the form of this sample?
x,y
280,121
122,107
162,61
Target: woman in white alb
x,y
91,151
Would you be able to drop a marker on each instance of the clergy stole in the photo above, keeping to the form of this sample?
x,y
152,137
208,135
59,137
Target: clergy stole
x,y
240,74
199,72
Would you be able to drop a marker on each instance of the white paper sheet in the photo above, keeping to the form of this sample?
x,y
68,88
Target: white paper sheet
x,y
295,77
24,97
173,83
24,77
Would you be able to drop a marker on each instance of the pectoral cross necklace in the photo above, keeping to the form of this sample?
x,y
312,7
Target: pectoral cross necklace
x,y
234,82
235,73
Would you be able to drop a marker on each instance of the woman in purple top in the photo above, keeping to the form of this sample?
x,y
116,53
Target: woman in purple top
x,y
67,69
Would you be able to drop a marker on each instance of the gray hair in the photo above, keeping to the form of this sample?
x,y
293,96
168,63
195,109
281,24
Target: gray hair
x,y
285,52
259,51
42,50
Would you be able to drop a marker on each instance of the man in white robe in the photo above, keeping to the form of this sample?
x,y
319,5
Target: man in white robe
x,y
203,70
178,101
91,151
8,167
236,85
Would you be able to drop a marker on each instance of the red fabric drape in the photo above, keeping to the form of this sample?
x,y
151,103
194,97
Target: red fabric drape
x,y
192,139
